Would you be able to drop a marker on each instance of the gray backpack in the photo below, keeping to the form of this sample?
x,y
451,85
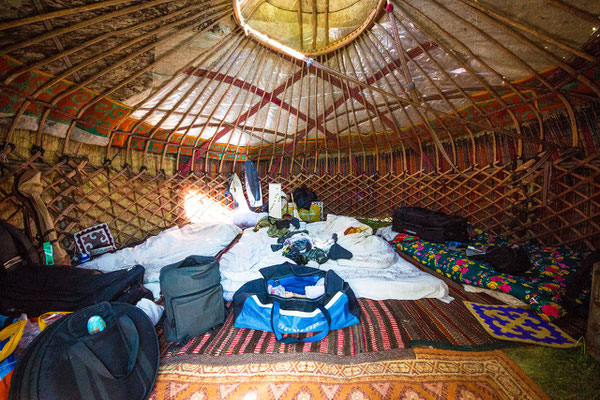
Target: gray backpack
x,y
193,297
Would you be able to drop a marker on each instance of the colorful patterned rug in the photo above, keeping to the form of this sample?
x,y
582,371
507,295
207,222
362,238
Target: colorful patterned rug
x,y
385,325
520,325
431,374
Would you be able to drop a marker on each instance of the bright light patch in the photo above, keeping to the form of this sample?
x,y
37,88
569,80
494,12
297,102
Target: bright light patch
x,y
201,209
250,396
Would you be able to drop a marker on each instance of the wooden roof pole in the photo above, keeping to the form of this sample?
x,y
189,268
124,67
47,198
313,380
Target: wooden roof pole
x,y
259,50
499,99
341,66
276,129
364,102
256,82
412,91
411,87
245,43
155,128
271,87
179,145
416,93
529,68
390,114
272,82
529,30
322,80
356,45
433,110
446,75
294,140
308,99
316,115
337,128
274,73
532,45
56,99
401,106
256,59
96,99
57,42
97,39
60,13
300,24
197,60
233,45
474,123
82,24
183,98
253,81
326,22
583,14
139,104
314,24
57,79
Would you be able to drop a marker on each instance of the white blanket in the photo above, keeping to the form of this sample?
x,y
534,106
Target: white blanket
x,y
375,271
242,262
169,246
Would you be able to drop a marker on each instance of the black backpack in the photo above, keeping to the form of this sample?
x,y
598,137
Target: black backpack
x,y
507,260
67,362
303,197
581,280
17,250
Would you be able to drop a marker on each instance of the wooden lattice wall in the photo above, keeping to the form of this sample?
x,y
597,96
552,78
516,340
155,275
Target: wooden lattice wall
x,y
554,199
507,201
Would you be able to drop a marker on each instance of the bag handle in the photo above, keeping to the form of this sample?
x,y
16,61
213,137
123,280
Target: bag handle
x,y
129,334
287,340
13,333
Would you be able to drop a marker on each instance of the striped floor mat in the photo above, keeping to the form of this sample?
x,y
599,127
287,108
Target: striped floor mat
x,y
385,325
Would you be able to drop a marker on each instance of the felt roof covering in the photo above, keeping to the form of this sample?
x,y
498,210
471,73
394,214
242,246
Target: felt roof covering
x,y
254,78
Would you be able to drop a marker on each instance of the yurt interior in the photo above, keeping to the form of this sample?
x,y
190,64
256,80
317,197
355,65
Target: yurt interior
x,y
299,199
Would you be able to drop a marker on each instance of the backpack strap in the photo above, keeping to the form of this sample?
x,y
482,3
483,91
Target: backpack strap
x,y
29,252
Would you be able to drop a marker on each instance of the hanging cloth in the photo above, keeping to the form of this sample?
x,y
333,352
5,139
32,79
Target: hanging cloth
x,y
253,190
235,190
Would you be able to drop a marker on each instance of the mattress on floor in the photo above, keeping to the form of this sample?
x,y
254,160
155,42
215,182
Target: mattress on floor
x,y
375,271
168,247
542,287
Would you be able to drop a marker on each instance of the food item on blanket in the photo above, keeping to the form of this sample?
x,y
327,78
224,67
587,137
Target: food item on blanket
x,y
354,229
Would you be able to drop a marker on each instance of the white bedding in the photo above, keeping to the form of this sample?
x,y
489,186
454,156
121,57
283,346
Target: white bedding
x,y
375,271
168,247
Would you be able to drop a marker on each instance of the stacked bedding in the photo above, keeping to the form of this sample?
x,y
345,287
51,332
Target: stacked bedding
x,y
375,270
542,287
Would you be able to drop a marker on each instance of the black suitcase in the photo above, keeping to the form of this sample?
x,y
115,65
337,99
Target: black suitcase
x,y
34,290
432,226
193,297
66,361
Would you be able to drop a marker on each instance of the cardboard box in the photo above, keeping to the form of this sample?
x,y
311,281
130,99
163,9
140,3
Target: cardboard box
x,y
313,215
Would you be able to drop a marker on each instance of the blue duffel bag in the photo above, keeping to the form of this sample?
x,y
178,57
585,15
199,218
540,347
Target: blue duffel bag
x,y
294,298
